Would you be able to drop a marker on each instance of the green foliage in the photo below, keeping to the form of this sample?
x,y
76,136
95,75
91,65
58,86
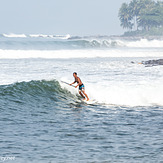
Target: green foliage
x,y
152,32
143,15
125,17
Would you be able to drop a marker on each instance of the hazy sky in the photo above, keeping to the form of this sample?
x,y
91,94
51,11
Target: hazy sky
x,y
74,17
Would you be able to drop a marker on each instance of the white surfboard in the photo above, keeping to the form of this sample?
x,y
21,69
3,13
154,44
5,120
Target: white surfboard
x,y
90,101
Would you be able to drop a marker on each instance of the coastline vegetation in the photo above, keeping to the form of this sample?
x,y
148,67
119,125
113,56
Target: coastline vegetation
x,y
142,18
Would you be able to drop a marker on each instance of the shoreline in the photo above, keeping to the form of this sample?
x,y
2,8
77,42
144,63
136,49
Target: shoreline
x,y
114,37
137,37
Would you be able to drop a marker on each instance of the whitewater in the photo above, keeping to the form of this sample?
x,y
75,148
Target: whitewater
x,y
49,118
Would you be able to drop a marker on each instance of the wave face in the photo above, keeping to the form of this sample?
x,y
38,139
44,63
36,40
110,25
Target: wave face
x,y
35,94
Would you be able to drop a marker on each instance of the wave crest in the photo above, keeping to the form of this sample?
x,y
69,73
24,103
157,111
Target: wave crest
x,y
14,35
35,93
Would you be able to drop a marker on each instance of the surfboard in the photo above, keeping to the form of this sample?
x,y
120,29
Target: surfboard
x,y
90,101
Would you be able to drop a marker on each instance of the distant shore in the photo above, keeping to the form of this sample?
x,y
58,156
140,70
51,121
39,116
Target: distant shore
x,y
114,37
136,37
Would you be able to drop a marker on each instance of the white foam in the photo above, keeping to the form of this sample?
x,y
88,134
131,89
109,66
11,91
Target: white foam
x,y
64,37
145,43
41,35
63,54
121,94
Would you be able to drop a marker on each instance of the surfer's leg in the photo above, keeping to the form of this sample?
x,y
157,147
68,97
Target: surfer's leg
x,y
80,92
85,95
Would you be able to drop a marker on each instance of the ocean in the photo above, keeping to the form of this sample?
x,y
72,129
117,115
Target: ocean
x,y
45,120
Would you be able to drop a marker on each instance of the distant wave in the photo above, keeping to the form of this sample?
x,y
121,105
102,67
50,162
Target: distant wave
x,y
40,35
142,43
50,36
14,35
42,41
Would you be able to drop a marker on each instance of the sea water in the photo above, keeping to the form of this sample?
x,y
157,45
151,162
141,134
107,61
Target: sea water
x,y
45,120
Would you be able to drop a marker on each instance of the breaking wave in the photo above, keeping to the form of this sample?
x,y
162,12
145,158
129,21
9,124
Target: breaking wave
x,y
35,93
52,92
42,41
14,35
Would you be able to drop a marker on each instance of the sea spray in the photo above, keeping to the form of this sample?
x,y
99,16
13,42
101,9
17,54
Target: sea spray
x,y
67,54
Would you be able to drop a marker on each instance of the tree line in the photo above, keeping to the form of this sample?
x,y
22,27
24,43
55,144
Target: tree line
x,y
141,15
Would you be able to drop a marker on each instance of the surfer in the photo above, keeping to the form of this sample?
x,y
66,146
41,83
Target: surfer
x,y
81,86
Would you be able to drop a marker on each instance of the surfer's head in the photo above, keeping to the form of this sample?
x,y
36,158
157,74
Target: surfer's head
x,y
74,74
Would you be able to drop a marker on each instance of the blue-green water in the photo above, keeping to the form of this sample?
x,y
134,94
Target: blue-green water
x,y
45,120
41,122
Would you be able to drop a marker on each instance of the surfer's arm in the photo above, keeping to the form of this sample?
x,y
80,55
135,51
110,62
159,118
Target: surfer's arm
x,y
73,83
76,85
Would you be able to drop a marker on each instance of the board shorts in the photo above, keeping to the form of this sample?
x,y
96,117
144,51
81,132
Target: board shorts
x,y
81,87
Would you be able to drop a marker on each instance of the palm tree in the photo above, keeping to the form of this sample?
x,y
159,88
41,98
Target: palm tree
x,y
159,8
125,17
147,15
134,11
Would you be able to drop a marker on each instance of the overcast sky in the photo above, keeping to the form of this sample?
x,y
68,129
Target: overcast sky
x,y
60,17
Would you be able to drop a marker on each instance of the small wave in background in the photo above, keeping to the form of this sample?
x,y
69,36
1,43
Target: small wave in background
x,y
60,42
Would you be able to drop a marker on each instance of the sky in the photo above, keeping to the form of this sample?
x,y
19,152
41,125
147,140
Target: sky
x,y
61,17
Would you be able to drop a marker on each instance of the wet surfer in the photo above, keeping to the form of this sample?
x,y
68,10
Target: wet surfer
x,y
81,86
